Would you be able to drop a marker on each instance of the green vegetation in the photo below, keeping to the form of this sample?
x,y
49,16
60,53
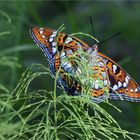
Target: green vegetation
x,y
41,114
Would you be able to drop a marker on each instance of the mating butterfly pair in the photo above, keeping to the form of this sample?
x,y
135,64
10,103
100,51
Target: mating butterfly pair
x,y
107,76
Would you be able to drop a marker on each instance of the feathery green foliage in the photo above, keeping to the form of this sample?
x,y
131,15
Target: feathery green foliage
x,y
41,114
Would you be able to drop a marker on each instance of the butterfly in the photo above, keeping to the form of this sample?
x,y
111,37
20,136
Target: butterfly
x,y
107,75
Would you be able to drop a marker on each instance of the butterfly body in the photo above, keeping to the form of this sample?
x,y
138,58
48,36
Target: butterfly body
x,y
102,76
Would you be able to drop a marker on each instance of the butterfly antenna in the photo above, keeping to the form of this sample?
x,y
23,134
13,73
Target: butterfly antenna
x,y
110,38
91,22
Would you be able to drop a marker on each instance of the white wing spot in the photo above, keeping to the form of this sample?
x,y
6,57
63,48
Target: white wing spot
x,y
105,82
43,36
69,52
54,50
126,80
131,90
62,54
115,87
68,39
68,65
101,63
114,68
54,44
96,86
136,90
51,39
41,32
124,84
78,44
128,77
103,74
119,84
53,35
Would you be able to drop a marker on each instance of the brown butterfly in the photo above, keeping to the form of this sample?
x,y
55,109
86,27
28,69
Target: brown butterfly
x,y
107,75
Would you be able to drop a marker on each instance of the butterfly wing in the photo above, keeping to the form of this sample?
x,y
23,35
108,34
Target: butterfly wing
x,y
57,46
122,85
70,45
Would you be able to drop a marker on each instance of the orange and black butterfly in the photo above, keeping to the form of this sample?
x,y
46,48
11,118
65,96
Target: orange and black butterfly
x,y
57,46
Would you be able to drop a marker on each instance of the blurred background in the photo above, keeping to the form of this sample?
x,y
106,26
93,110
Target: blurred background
x,y
18,51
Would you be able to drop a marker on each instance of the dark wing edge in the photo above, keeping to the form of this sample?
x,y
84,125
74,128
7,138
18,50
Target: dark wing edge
x,y
122,85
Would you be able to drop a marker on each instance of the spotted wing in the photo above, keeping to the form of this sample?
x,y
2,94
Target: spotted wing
x,y
100,85
122,85
43,38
